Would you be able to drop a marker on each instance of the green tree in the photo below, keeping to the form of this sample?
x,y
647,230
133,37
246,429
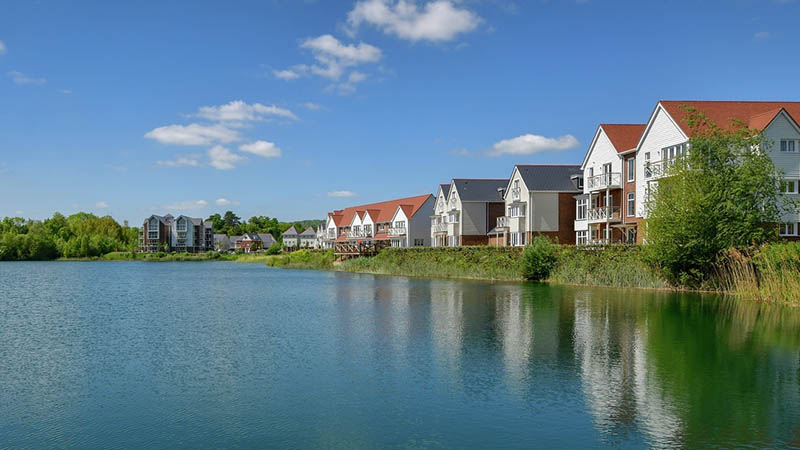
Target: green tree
x,y
722,194
538,258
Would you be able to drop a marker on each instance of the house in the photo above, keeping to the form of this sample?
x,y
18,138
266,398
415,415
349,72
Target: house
x,y
367,228
154,235
253,242
235,242
291,239
470,212
222,243
308,238
181,234
321,240
267,240
606,208
666,137
538,200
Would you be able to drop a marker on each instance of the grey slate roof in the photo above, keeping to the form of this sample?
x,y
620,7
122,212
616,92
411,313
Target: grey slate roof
x,y
445,189
309,232
196,220
267,239
291,231
480,190
539,177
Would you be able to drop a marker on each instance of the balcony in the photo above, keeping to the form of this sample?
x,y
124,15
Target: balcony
x,y
516,193
360,234
397,231
604,214
611,180
502,222
439,227
657,169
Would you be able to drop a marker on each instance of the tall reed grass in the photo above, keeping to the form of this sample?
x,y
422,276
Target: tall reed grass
x,y
770,273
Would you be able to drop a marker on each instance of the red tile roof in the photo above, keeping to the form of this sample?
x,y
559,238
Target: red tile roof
x,y
624,136
756,115
383,211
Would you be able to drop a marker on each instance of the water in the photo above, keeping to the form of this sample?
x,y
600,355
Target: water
x,y
225,355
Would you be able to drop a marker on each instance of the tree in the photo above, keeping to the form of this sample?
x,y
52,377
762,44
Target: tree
x,y
231,219
722,194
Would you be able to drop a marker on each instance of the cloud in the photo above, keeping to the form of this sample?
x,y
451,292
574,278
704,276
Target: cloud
x,y
193,134
3,48
335,57
187,205
529,144
21,78
65,91
261,148
239,111
182,161
349,86
101,205
341,194
225,202
762,35
460,152
437,21
311,106
222,158
287,74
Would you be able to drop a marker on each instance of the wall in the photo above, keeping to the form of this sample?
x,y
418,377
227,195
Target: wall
x,y
661,132
789,163
419,224
473,218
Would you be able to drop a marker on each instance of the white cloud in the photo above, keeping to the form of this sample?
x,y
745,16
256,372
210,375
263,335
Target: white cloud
x,y
225,202
762,35
65,91
528,144
239,111
21,78
341,194
334,57
193,134
181,161
222,158
437,21
261,148
311,106
3,48
187,205
101,205
286,74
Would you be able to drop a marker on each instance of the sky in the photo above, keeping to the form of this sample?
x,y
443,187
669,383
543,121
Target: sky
x,y
291,109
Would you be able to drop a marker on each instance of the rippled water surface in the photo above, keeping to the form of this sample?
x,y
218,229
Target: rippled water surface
x,y
225,355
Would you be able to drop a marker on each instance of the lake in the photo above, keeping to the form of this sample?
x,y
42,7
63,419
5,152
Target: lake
x,y
225,355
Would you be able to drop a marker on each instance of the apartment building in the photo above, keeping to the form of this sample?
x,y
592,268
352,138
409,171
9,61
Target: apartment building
x,y
466,211
397,223
606,209
666,137
538,200
181,234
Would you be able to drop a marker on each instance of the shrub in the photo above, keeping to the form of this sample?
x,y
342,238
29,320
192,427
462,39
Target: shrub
x,y
274,249
539,258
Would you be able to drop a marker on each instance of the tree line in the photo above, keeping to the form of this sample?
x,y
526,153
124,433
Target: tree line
x,y
232,225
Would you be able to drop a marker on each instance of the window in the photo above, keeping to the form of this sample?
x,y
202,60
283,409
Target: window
x,y
452,218
788,146
516,184
631,204
580,182
789,186
516,211
788,229
630,235
419,242
517,239
581,237
631,169
582,207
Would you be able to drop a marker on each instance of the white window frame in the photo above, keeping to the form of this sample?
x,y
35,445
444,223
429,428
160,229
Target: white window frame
x,y
631,167
582,237
582,208
785,144
630,211
788,229
785,183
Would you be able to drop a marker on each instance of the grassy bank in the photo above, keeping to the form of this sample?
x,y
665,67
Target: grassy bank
x,y
488,263
769,273
302,259
614,265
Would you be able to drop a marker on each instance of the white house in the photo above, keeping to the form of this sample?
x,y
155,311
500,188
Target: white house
x,y
291,238
471,210
308,238
439,223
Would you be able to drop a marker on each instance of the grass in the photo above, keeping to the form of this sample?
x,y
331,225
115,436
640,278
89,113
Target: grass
x,y
302,259
613,265
770,273
488,263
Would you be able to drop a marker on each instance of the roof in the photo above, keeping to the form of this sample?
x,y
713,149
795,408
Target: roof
x,y
220,237
235,238
624,136
546,177
754,114
309,232
163,219
251,237
266,238
480,190
292,230
381,211
445,189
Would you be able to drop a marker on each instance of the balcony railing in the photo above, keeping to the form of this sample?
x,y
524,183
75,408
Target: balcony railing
x,y
656,169
604,213
604,181
502,222
439,227
361,234
397,231
331,235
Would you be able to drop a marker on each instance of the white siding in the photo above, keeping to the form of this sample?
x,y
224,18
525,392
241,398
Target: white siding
x,y
789,163
601,152
661,132
524,197
419,224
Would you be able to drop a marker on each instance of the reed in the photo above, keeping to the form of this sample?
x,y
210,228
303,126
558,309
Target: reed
x,y
770,273
301,259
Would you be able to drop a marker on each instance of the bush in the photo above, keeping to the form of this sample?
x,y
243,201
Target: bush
x,y
539,258
274,249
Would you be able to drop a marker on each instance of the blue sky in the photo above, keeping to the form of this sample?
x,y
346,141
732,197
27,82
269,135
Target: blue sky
x,y
294,108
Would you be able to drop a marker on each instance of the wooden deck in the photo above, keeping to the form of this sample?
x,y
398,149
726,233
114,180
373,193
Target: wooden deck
x,y
354,249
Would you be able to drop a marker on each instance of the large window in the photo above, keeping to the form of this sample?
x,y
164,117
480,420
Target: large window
x,y
630,236
788,146
788,229
582,207
789,186
517,239
581,237
631,207
631,169
516,211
